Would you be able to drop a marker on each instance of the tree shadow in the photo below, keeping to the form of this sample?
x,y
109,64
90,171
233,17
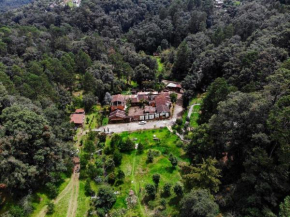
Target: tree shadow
x,y
170,169
174,201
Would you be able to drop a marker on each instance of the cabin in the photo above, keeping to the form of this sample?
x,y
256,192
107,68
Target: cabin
x,y
174,87
118,102
118,116
78,117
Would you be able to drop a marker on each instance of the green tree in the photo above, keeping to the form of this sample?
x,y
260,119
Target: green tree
x,y
156,179
173,97
285,207
167,189
88,188
50,208
181,63
205,175
117,157
106,198
173,160
178,190
217,92
198,203
83,61
150,190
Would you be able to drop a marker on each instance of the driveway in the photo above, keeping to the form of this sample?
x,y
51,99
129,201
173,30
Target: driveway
x,y
134,126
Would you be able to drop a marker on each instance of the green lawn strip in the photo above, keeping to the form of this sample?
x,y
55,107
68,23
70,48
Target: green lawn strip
x,y
194,116
61,207
160,64
83,201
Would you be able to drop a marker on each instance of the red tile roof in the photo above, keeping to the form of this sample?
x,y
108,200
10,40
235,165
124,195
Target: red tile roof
x,y
79,111
118,113
77,118
118,98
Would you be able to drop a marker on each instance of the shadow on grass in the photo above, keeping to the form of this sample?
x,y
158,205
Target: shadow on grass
x,y
174,201
170,169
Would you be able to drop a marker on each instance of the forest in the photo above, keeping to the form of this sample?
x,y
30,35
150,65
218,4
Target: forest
x,y
55,58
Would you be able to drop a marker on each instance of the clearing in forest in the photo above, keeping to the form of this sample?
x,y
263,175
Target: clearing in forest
x,y
139,173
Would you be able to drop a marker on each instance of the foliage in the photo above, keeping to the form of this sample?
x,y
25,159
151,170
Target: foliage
x,y
198,203
156,179
205,176
107,198
150,190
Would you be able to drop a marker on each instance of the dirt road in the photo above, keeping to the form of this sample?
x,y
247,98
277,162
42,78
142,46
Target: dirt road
x,y
73,186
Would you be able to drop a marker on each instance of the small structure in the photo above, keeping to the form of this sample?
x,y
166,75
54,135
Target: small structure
x,y
78,118
174,87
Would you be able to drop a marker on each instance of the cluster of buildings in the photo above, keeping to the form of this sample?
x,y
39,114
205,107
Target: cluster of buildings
x,y
140,107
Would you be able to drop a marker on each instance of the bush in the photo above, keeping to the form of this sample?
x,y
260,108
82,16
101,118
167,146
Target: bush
x,y
88,188
163,203
173,160
50,208
117,157
150,190
111,178
110,165
167,189
16,211
52,190
127,145
178,190
140,148
179,121
107,198
156,179
150,157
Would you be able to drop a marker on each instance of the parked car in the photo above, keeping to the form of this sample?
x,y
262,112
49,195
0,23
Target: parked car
x,y
142,122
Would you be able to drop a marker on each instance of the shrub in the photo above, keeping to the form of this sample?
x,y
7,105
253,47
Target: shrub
x,y
156,179
52,190
150,190
150,157
167,189
117,157
50,208
178,190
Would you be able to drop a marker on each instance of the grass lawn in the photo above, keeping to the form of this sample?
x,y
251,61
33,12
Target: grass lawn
x,y
194,116
41,199
139,173
160,64
105,121
83,201
93,118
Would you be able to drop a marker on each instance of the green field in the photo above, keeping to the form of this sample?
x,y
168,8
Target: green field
x,y
139,173
160,64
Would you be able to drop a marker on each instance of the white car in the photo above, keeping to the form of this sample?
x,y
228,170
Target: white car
x,y
142,122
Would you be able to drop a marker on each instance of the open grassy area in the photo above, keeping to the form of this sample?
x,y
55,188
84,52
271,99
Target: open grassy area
x,y
40,199
83,201
160,64
194,116
139,173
